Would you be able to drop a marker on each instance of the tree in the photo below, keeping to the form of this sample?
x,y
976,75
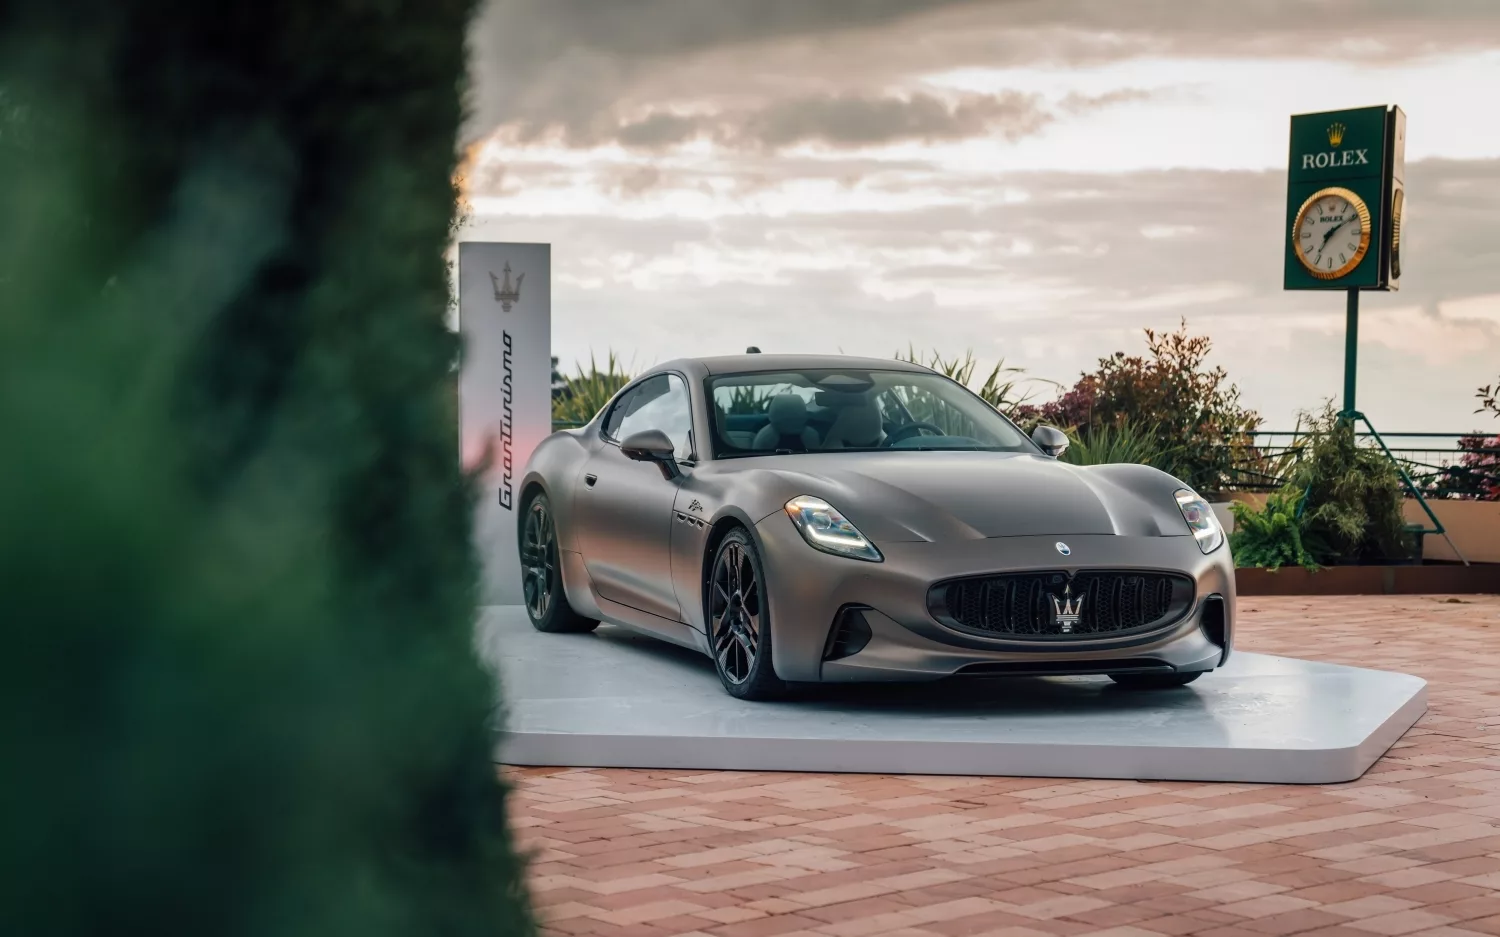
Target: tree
x,y
238,694
1488,395
1192,410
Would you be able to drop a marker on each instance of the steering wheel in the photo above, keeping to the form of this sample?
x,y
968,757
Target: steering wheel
x,y
912,429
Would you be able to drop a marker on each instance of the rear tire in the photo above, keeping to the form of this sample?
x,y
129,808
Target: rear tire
x,y
1154,681
739,620
542,589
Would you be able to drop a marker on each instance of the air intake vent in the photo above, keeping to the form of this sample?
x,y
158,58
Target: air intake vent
x,y
1051,605
849,634
1211,620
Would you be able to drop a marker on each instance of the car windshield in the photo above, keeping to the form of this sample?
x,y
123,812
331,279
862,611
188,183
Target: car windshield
x,y
825,410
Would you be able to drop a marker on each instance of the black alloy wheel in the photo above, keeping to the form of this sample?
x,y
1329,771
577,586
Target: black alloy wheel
x,y
541,575
739,625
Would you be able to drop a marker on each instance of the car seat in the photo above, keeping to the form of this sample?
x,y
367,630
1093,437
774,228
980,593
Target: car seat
x,y
788,428
857,426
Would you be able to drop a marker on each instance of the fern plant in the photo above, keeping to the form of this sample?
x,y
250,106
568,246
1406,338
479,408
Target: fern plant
x,y
1273,536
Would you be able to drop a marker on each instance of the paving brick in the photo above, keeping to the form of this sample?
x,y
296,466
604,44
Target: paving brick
x,y
1412,848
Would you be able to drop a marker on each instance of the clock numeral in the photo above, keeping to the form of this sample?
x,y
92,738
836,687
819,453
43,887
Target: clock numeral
x,y
1342,259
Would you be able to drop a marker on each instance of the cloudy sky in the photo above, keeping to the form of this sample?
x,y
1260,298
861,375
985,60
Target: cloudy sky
x,y
1037,180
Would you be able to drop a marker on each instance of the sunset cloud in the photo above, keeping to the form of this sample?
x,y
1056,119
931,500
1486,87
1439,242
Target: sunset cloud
x,y
1032,180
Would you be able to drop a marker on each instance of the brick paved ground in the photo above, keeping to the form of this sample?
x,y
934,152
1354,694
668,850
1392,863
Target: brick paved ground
x,y
1411,848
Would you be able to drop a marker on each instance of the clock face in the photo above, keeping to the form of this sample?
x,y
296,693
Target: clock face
x,y
1332,233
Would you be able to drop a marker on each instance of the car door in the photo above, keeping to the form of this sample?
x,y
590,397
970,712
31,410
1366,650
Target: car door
x,y
625,507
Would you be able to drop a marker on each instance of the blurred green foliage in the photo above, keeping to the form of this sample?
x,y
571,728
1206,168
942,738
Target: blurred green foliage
x,y
239,695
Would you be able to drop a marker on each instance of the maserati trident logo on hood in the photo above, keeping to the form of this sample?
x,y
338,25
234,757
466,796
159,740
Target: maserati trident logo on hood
x,y
1063,548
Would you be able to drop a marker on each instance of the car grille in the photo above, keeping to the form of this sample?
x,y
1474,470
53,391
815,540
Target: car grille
x,y
1026,604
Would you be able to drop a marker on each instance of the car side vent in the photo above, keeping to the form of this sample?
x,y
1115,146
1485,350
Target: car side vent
x,y
1211,620
849,634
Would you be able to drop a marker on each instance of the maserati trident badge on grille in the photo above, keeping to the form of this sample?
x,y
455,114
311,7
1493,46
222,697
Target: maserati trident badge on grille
x,y
1063,548
1066,610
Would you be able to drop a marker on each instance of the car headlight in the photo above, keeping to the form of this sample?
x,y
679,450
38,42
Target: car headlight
x,y
826,529
1200,520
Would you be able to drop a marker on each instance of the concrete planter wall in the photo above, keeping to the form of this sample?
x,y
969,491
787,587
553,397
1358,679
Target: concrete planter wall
x,y
1478,579
1473,525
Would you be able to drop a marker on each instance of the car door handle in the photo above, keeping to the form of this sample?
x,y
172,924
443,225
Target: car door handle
x,y
588,480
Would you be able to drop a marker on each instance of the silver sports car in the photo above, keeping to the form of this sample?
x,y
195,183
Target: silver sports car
x,y
812,518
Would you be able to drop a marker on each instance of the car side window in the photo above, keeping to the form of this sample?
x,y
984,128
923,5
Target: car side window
x,y
611,427
659,402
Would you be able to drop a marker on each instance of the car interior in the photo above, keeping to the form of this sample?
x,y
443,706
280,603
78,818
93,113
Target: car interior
x,y
819,413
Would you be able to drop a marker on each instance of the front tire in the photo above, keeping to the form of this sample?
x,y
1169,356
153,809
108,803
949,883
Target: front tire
x,y
1154,681
541,574
739,621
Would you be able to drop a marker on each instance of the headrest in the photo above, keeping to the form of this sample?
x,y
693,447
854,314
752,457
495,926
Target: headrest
x,y
861,426
788,413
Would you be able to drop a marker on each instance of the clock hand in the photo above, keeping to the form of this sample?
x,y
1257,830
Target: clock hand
x,y
1329,236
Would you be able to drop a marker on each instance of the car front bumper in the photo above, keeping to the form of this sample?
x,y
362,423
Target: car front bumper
x,y
807,589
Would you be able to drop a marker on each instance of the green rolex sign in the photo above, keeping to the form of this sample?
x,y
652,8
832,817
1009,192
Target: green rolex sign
x,y
1344,200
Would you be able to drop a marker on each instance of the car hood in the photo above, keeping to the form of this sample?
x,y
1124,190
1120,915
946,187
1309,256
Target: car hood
x,y
942,496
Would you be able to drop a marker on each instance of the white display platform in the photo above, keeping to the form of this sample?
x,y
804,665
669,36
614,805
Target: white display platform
x,y
616,699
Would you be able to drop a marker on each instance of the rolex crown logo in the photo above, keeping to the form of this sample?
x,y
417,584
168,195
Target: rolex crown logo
x,y
1336,133
506,293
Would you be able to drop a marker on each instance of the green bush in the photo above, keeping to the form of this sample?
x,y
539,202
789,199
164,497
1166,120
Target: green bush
x,y
1273,536
238,694
1341,505
579,398
1354,495
1118,442
1001,388
1195,412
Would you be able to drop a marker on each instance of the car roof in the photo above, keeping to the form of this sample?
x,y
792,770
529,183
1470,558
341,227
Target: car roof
x,y
735,364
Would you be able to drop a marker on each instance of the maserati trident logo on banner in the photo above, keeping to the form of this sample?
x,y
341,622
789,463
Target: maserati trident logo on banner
x,y
507,294
1067,611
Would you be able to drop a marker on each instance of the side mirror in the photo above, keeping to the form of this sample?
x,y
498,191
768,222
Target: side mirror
x,y
652,445
1050,439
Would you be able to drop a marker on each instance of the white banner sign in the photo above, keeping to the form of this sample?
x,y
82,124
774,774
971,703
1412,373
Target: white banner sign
x,y
505,392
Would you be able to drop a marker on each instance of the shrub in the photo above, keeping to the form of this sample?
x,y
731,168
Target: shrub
x,y
1354,495
1476,475
1273,536
1118,442
1195,413
579,398
238,694
1341,505
1001,388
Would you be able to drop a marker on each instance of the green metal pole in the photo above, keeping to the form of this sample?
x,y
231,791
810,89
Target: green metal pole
x,y
1351,352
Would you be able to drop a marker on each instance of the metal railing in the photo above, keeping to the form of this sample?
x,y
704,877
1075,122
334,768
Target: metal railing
x,y
1440,465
